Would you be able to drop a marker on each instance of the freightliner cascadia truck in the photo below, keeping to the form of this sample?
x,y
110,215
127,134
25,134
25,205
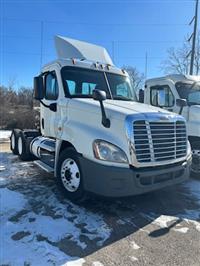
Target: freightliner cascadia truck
x,y
179,94
94,134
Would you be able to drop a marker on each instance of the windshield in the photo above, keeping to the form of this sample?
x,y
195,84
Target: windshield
x,y
80,83
189,91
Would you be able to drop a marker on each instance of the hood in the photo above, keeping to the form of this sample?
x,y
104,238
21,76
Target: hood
x,y
122,108
131,107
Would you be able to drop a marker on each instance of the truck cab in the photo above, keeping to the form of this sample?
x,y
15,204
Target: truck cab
x,y
94,134
179,94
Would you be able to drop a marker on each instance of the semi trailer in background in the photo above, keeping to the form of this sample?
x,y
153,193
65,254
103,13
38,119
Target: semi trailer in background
x,y
179,94
94,134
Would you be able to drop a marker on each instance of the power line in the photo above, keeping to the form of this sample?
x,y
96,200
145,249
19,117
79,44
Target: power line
x,y
104,41
104,1
99,24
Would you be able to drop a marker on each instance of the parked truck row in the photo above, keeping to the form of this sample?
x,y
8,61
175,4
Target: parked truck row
x,y
94,134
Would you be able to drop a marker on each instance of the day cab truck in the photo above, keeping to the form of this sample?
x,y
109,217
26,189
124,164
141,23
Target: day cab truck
x,y
94,134
179,94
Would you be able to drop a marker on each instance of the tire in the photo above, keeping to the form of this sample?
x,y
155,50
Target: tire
x,y
23,149
195,168
14,141
69,175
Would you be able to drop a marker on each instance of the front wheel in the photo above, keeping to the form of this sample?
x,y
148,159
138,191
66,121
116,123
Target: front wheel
x,y
69,175
196,159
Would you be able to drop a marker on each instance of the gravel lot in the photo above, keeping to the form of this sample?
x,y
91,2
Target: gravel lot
x,y
40,227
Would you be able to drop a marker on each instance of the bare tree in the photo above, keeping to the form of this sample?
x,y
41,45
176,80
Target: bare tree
x,y
178,60
137,78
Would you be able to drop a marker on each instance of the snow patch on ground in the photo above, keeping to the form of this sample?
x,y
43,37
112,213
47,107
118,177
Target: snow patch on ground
x,y
182,230
163,220
32,237
11,201
78,262
5,135
192,188
133,259
134,245
97,263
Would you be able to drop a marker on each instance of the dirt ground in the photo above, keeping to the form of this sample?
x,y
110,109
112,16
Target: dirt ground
x,y
40,227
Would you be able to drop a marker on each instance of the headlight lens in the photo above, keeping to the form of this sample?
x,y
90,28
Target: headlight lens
x,y
189,149
108,152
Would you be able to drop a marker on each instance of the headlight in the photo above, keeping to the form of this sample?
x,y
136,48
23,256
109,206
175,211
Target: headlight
x,y
108,152
189,149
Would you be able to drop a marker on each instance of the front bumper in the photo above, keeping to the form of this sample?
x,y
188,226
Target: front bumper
x,y
111,181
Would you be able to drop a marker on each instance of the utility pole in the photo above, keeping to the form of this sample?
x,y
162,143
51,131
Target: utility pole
x,y
194,35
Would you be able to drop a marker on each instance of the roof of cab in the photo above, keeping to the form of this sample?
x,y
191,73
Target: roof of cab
x,y
175,78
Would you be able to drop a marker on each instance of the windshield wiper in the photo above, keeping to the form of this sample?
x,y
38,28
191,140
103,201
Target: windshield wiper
x,y
122,98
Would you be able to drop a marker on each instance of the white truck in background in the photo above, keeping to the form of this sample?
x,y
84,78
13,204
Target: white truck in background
x,y
179,94
94,134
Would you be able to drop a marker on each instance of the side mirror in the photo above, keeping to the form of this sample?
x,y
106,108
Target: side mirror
x,y
38,88
181,103
53,107
141,96
99,95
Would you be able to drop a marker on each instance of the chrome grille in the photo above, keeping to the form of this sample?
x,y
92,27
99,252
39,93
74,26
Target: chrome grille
x,y
159,141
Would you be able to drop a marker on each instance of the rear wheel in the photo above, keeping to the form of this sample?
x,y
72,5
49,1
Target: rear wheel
x,y
69,175
14,141
196,159
23,148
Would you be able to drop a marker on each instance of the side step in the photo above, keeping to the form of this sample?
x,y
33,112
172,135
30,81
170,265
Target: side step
x,y
44,166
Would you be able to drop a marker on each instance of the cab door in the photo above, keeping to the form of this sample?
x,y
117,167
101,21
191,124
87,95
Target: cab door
x,y
49,118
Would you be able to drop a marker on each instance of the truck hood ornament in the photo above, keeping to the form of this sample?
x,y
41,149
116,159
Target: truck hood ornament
x,y
70,48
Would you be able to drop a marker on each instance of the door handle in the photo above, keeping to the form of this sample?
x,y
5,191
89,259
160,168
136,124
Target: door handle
x,y
42,123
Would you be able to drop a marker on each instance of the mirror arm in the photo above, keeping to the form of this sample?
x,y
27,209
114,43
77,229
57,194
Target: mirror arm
x,y
45,105
181,110
105,121
51,106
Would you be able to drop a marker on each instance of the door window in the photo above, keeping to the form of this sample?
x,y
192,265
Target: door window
x,y
51,92
162,96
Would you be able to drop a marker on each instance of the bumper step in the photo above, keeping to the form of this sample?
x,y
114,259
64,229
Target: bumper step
x,y
44,166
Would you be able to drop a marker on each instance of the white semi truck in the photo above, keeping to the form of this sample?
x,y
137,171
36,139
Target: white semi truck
x,y
179,94
94,134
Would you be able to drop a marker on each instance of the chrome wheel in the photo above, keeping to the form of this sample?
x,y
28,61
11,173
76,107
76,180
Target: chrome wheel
x,y
196,161
13,141
20,145
70,175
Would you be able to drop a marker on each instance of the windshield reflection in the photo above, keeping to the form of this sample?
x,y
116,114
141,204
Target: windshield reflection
x,y
189,91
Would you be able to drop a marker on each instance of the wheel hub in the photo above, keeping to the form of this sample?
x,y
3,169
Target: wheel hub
x,y
70,175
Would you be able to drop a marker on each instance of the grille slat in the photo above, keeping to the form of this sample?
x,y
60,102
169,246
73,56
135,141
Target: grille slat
x,y
159,141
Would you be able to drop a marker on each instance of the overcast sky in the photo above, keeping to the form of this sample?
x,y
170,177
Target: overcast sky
x,y
128,29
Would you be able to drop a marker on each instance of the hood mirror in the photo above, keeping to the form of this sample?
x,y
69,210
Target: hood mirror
x,y
181,103
99,95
